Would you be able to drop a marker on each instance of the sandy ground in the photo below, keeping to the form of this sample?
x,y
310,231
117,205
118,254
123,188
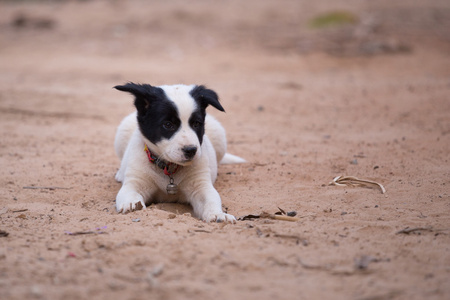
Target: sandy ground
x,y
304,105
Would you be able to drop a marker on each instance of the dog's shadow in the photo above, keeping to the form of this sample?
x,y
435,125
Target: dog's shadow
x,y
176,208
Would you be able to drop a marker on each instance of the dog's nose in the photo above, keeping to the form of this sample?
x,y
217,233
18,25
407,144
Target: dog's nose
x,y
189,151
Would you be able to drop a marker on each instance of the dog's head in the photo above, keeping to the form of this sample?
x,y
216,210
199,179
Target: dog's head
x,y
172,118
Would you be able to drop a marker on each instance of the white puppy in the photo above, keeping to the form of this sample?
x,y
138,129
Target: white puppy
x,y
170,148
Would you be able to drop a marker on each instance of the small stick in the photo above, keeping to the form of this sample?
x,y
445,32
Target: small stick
x,y
350,180
45,188
96,231
198,230
408,230
312,267
85,232
287,236
80,232
279,217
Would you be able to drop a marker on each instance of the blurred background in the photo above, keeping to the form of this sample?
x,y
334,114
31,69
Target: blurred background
x,y
312,90
149,40
85,47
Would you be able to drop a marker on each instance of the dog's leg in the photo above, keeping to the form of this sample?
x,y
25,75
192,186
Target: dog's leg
x,y
120,175
207,205
132,196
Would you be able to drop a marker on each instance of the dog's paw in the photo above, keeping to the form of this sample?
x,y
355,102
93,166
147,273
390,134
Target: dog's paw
x,y
130,202
219,218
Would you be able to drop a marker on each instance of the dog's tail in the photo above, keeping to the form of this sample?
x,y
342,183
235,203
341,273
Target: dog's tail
x,y
231,159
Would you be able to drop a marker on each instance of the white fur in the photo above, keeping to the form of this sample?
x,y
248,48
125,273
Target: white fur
x,y
144,182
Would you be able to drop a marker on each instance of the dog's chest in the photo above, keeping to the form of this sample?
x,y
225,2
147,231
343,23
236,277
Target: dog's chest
x,y
163,182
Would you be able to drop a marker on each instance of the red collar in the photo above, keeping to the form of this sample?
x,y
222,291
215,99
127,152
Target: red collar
x,y
168,167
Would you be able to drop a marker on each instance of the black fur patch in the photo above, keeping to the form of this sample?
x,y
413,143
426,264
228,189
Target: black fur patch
x,y
157,116
197,123
205,97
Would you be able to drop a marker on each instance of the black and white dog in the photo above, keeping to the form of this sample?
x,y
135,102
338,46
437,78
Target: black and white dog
x,y
170,148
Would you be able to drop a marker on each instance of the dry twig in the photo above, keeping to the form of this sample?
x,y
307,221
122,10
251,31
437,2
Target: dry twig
x,y
351,180
51,188
408,230
96,231
278,217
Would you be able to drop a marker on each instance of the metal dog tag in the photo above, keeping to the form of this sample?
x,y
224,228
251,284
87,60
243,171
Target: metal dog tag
x,y
172,188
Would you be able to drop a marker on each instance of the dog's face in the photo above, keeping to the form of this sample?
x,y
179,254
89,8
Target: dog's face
x,y
172,118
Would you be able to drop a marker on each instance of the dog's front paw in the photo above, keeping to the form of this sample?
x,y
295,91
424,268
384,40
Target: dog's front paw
x,y
129,201
219,218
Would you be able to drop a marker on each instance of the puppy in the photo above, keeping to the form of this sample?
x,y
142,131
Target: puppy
x,y
170,149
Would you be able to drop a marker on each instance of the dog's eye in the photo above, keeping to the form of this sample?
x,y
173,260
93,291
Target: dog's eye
x,y
169,126
196,124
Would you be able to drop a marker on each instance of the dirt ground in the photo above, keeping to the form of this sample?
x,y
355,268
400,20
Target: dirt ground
x,y
366,96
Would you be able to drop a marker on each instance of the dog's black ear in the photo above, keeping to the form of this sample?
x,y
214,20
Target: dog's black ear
x,y
144,95
206,97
